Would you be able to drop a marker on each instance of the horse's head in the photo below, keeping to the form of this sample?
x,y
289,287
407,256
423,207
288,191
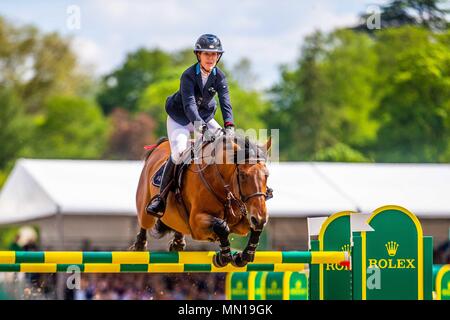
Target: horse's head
x,y
250,179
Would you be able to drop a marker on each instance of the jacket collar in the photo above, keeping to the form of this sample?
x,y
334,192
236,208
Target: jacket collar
x,y
197,69
198,77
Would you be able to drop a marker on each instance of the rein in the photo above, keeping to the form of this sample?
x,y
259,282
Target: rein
x,y
230,198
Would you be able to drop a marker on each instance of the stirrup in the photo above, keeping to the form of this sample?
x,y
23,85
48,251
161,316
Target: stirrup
x,y
158,209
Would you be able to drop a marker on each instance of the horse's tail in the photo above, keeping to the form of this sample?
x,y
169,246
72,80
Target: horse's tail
x,y
152,148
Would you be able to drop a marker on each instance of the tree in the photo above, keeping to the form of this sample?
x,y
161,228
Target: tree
x,y
426,13
38,65
248,105
70,127
129,134
323,106
124,87
15,127
414,110
153,103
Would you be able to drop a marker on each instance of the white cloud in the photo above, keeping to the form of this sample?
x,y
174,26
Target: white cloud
x,y
90,55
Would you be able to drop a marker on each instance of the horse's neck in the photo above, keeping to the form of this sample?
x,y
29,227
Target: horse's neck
x,y
222,165
226,171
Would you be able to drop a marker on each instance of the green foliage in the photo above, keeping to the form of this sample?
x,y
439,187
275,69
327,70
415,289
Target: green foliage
x,y
125,86
248,105
356,98
38,65
70,127
15,127
414,111
153,102
327,99
340,153
8,236
3,177
430,14
350,96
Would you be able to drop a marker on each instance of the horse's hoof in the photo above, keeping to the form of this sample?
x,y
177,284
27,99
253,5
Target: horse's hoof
x,y
238,260
220,260
177,245
138,246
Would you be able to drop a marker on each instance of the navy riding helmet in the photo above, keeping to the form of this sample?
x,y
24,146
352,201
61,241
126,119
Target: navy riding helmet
x,y
209,43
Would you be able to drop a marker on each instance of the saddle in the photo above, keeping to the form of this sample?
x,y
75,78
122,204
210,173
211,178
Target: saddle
x,y
179,170
186,157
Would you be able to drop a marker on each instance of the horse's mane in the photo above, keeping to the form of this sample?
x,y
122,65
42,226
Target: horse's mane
x,y
250,149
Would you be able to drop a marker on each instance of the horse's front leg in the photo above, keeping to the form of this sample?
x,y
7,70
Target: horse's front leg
x,y
248,254
222,230
205,227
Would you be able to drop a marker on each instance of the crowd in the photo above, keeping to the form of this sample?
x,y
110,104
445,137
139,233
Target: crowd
x,y
138,286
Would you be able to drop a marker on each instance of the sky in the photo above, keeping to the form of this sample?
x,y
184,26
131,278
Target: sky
x,y
267,32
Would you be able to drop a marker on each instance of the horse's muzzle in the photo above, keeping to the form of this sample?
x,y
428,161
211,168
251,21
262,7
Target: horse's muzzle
x,y
257,223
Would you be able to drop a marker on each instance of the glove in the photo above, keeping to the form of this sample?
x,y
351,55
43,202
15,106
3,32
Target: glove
x,y
200,127
229,128
208,135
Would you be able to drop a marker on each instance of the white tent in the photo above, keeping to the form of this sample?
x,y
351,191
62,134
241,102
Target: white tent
x,y
75,200
42,188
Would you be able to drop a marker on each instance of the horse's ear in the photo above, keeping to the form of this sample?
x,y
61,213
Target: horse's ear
x,y
268,144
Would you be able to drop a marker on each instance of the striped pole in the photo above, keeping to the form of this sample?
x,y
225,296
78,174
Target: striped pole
x,y
153,262
144,268
147,257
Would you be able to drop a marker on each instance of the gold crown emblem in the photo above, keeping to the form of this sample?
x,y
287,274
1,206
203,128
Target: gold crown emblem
x,y
346,248
391,247
240,285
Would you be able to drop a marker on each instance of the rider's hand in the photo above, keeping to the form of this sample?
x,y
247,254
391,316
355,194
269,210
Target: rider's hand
x,y
200,127
208,135
229,128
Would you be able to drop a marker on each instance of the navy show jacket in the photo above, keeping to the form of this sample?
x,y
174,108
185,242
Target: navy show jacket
x,y
193,102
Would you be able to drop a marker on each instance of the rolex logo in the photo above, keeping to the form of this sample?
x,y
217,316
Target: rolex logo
x,y
391,247
346,248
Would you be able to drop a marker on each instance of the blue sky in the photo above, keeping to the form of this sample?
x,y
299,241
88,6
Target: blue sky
x,y
268,32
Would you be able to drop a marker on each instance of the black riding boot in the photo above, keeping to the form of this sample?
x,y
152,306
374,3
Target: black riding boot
x,y
157,206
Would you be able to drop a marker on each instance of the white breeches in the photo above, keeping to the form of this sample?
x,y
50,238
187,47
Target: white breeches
x,y
179,136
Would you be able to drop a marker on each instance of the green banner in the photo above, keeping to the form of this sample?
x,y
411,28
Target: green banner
x,y
443,283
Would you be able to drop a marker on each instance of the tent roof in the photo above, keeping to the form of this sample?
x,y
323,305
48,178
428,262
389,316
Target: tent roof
x,y
39,188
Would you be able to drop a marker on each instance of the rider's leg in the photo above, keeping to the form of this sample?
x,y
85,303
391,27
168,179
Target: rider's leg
x,y
178,139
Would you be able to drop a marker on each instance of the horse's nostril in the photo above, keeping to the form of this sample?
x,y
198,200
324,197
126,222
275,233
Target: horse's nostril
x,y
254,221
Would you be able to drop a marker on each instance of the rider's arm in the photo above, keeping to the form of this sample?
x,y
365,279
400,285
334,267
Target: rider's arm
x,y
224,100
188,97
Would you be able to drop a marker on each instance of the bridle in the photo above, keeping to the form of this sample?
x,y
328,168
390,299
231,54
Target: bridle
x,y
230,197
267,195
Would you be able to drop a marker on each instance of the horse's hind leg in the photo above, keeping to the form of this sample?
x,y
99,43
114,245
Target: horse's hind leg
x,y
141,241
178,243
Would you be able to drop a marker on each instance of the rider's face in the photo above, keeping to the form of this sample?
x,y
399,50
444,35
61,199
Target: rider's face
x,y
208,60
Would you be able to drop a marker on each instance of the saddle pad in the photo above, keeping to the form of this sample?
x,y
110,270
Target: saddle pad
x,y
157,177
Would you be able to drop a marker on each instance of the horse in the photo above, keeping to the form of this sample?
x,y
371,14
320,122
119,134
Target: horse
x,y
223,192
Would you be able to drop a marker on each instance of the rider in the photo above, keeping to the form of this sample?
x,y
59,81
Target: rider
x,y
192,108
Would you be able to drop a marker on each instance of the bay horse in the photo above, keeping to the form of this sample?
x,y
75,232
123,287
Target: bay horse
x,y
223,193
